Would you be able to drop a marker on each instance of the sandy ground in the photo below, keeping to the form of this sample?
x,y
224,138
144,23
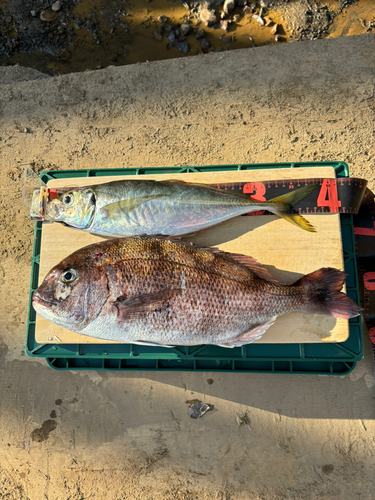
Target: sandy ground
x,y
69,435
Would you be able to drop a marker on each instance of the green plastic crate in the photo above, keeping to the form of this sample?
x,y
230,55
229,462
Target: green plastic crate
x,y
322,359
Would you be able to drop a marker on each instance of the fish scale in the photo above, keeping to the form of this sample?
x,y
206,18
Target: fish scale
x,y
132,207
161,291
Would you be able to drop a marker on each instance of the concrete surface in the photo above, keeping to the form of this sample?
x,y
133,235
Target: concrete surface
x,y
121,436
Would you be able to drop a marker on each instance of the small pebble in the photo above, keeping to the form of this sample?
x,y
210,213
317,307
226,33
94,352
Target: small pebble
x,y
183,46
224,25
205,43
162,19
8,19
167,27
172,37
247,10
267,21
237,18
274,29
207,16
157,36
200,34
185,29
56,6
64,55
277,38
48,16
229,6
258,19
33,13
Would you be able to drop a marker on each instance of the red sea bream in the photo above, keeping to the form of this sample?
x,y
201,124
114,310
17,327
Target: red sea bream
x,y
159,291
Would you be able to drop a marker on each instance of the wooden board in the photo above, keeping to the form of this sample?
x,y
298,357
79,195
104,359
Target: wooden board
x,y
285,250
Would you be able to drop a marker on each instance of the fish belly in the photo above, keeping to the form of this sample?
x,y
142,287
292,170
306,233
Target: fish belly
x,y
205,314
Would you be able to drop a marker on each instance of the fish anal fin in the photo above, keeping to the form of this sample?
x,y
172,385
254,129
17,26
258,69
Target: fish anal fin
x,y
251,335
115,211
140,306
141,342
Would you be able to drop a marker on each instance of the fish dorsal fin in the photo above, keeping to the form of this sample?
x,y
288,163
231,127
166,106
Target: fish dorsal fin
x,y
115,211
247,261
177,181
222,192
254,266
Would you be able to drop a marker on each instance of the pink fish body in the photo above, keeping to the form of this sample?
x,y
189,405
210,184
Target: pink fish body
x,y
151,290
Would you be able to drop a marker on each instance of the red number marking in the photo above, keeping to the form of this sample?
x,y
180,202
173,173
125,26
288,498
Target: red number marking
x,y
369,281
52,193
259,189
328,196
364,231
372,334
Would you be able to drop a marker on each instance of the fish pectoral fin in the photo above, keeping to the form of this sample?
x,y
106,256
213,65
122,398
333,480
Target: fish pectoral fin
x,y
138,307
250,336
115,211
141,342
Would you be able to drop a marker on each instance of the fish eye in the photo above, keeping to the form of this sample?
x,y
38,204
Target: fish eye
x,y
68,199
68,276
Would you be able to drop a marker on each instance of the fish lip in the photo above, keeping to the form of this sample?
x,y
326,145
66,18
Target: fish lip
x,y
39,301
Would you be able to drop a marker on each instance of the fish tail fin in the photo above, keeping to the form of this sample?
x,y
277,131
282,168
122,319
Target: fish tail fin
x,y
322,289
282,206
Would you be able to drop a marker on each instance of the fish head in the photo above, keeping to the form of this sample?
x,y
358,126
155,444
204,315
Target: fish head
x,y
73,293
75,208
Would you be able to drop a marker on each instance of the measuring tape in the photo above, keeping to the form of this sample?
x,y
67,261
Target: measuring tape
x,y
342,195
364,232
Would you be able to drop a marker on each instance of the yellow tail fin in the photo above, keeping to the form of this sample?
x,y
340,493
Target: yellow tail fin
x,y
282,206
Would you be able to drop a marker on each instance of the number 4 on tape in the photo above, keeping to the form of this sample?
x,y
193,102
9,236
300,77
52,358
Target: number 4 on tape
x,y
328,195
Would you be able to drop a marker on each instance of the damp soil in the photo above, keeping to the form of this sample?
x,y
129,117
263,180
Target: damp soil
x,y
69,35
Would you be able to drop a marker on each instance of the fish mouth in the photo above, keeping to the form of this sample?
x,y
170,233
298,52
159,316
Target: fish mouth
x,y
40,302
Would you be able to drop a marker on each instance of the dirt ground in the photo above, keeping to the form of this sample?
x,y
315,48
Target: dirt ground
x,y
58,37
85,435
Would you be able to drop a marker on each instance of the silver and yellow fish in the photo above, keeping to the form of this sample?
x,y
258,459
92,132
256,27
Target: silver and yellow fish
x,y
134,207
